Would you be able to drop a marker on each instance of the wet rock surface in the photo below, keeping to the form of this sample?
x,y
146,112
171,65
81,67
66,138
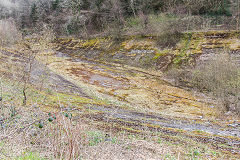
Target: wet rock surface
x,y
174,111
149,102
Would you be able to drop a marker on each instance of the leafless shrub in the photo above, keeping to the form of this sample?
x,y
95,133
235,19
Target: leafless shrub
x,y
9,33
68,138
167,30
219,77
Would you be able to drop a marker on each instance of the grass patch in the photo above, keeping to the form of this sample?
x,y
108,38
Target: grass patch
x,y
30,156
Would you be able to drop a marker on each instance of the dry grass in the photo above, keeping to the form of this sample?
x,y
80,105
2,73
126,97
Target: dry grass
x,y
73,137
65,138
220,77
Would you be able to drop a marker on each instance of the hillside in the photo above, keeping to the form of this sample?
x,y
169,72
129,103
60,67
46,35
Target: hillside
x,y
119,79
106,85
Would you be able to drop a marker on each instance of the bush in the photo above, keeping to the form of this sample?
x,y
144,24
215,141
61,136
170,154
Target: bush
x,y
169,39
167,29
219,77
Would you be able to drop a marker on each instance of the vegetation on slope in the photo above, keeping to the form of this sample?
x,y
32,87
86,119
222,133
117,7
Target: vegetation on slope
x,y
104,96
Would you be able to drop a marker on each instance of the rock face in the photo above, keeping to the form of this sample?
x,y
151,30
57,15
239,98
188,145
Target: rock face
x,y
163,62
193,49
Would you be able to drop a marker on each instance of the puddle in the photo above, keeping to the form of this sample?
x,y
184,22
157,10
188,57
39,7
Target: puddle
x,y
97,79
